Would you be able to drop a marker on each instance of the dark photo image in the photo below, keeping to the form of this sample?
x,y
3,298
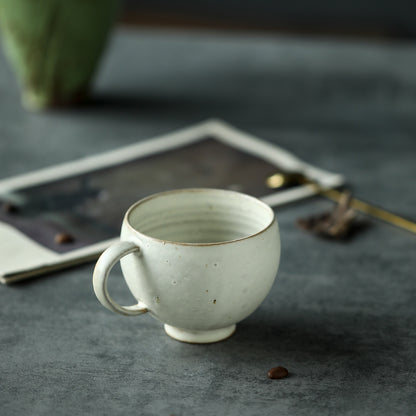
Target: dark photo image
x,y
85,209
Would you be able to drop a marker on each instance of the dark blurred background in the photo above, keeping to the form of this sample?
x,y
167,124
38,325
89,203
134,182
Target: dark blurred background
x,y
356,18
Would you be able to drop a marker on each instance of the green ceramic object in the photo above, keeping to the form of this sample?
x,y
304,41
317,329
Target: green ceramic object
x,y
55,46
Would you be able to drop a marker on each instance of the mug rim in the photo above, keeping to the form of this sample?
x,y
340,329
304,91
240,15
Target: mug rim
x,y
194,190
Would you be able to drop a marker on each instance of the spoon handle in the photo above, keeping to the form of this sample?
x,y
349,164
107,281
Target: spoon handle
x,y
368,209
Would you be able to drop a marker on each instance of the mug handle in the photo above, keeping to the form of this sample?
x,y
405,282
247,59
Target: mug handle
x,y
102,270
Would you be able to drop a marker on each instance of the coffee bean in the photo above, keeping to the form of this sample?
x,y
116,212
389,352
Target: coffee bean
x,y
63,238
277,372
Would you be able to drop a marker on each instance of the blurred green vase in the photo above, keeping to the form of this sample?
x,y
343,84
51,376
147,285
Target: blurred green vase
x,y
55,46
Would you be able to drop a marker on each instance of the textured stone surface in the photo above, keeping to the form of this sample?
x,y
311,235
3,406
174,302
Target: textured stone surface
x,y
341,316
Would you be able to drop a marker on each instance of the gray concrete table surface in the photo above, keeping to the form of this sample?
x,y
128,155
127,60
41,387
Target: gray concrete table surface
x,y
341,316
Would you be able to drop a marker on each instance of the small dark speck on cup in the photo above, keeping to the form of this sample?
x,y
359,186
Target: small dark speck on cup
x,y
277,373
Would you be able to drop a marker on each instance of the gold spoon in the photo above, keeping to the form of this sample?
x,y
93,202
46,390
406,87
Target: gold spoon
x,y
279,180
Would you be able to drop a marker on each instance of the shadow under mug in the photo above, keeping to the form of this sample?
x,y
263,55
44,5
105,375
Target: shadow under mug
x,y
198,260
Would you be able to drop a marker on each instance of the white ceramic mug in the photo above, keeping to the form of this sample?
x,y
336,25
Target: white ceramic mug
x,y
199,260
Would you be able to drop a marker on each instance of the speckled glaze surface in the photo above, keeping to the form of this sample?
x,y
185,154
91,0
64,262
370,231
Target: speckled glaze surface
x,y
199,260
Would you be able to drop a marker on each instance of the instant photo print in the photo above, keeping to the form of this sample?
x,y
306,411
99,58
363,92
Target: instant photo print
x,y
69,214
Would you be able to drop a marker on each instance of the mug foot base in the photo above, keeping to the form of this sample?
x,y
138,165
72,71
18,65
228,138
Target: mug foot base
x,y
199,337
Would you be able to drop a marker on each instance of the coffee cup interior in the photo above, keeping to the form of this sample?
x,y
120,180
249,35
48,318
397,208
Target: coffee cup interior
x,y
200,216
